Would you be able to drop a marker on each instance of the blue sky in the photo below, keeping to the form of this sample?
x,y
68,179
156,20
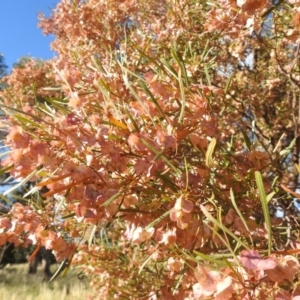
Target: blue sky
x,y
19,34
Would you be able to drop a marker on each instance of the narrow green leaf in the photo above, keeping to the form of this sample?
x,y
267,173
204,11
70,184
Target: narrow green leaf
x,y
145,88
45,111
135,125
265,207
288,149
239,212
159,219
5,170
16,186
145,262
52,88
97,63
274,181
279,142
133,92
228,83
177,171
270,196
209,153
186,174
60,205
6,200
26,120
13,110
112,199
60,269
205,51
177,56
60,105
222,227
168,182
91,237
107,87
247,142
159,154
183,100
144,55
31,191
222,262
169,68
70,215
62,77
207,75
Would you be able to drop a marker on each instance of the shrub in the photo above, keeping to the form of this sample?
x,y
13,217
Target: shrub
x,y
167,135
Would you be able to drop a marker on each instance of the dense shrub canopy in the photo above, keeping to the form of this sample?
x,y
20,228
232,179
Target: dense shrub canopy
x,y
167,135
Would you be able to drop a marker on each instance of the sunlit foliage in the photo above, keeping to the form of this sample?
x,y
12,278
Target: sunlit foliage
x,y
167,135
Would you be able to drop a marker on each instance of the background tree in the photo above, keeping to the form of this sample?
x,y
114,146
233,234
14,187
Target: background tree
x,y
3,67
163,150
